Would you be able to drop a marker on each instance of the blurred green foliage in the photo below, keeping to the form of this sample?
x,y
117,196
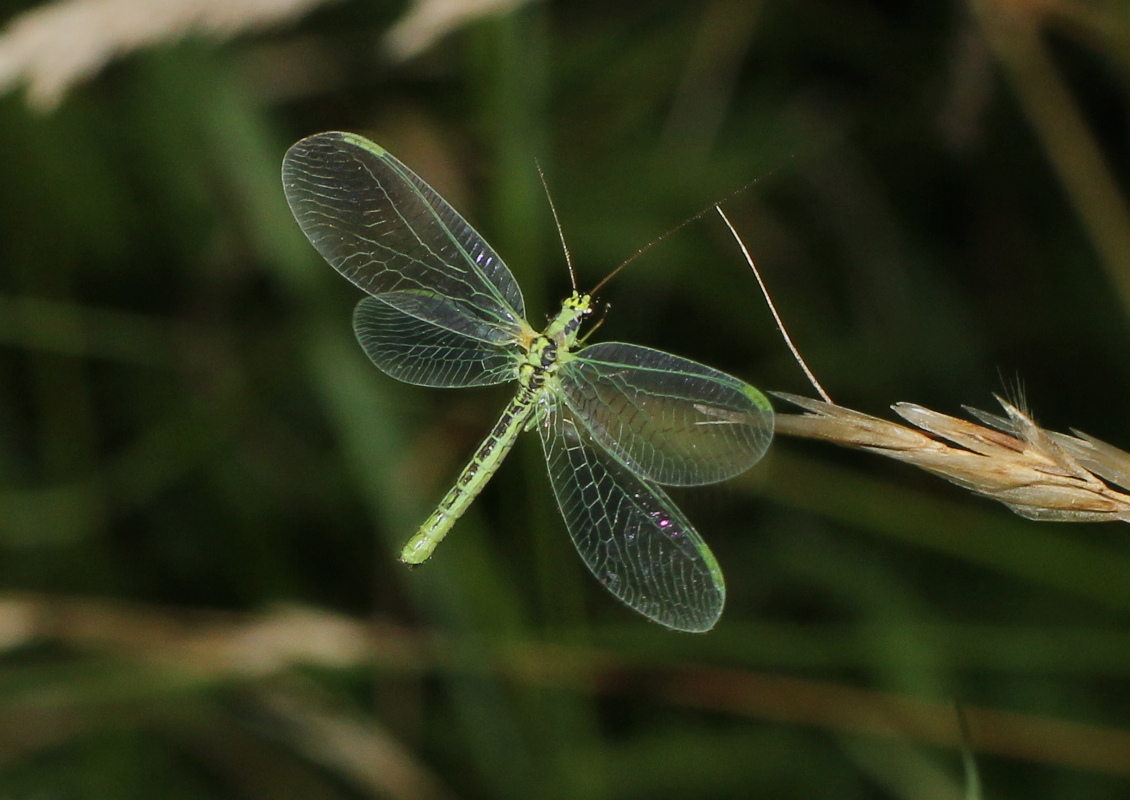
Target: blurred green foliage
x,y
187,427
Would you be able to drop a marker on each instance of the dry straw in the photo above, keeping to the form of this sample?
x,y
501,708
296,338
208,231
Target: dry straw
x,y
54,46
1039,474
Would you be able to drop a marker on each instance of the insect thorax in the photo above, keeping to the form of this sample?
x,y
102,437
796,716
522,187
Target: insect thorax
x,y
548,347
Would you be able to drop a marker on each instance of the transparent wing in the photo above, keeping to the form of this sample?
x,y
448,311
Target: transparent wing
x,y
385,229
427,353
671,420
629,533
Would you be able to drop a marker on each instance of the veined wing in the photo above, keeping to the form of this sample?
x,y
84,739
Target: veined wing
x,y
386,230
672,420
431,343
629,533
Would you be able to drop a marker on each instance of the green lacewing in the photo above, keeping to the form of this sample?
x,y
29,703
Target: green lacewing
x,y
616,420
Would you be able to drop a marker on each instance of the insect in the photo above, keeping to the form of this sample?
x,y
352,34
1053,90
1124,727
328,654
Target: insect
x,y
616,420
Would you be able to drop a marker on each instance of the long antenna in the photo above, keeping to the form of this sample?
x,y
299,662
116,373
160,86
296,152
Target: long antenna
x,y
647,247
773,308
663,236
557,222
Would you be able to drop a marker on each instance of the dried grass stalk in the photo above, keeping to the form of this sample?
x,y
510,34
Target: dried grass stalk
x,y
54,46
427,21
1039,474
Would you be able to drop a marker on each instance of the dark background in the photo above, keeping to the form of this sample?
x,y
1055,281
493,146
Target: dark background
x,y
203,483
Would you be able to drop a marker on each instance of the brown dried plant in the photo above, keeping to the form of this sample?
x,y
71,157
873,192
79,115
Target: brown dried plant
x,y
55,46
1039,474
52,47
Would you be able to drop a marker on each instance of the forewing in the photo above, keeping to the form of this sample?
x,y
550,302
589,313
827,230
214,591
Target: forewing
x,y
671,420
423,352
385,229
629,533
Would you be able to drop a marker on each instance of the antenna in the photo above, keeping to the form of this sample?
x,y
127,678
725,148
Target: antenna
x,y
663,236
647,247
557,222
773,308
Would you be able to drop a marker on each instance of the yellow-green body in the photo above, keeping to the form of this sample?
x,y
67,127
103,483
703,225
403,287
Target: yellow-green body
x,y
616,421
547,351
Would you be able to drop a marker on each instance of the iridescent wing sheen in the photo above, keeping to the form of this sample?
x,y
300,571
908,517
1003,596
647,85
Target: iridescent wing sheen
x,y
629,533
668,419
407,341
386,230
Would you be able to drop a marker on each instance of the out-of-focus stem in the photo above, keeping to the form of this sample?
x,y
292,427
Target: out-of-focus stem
x,y
1012,32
